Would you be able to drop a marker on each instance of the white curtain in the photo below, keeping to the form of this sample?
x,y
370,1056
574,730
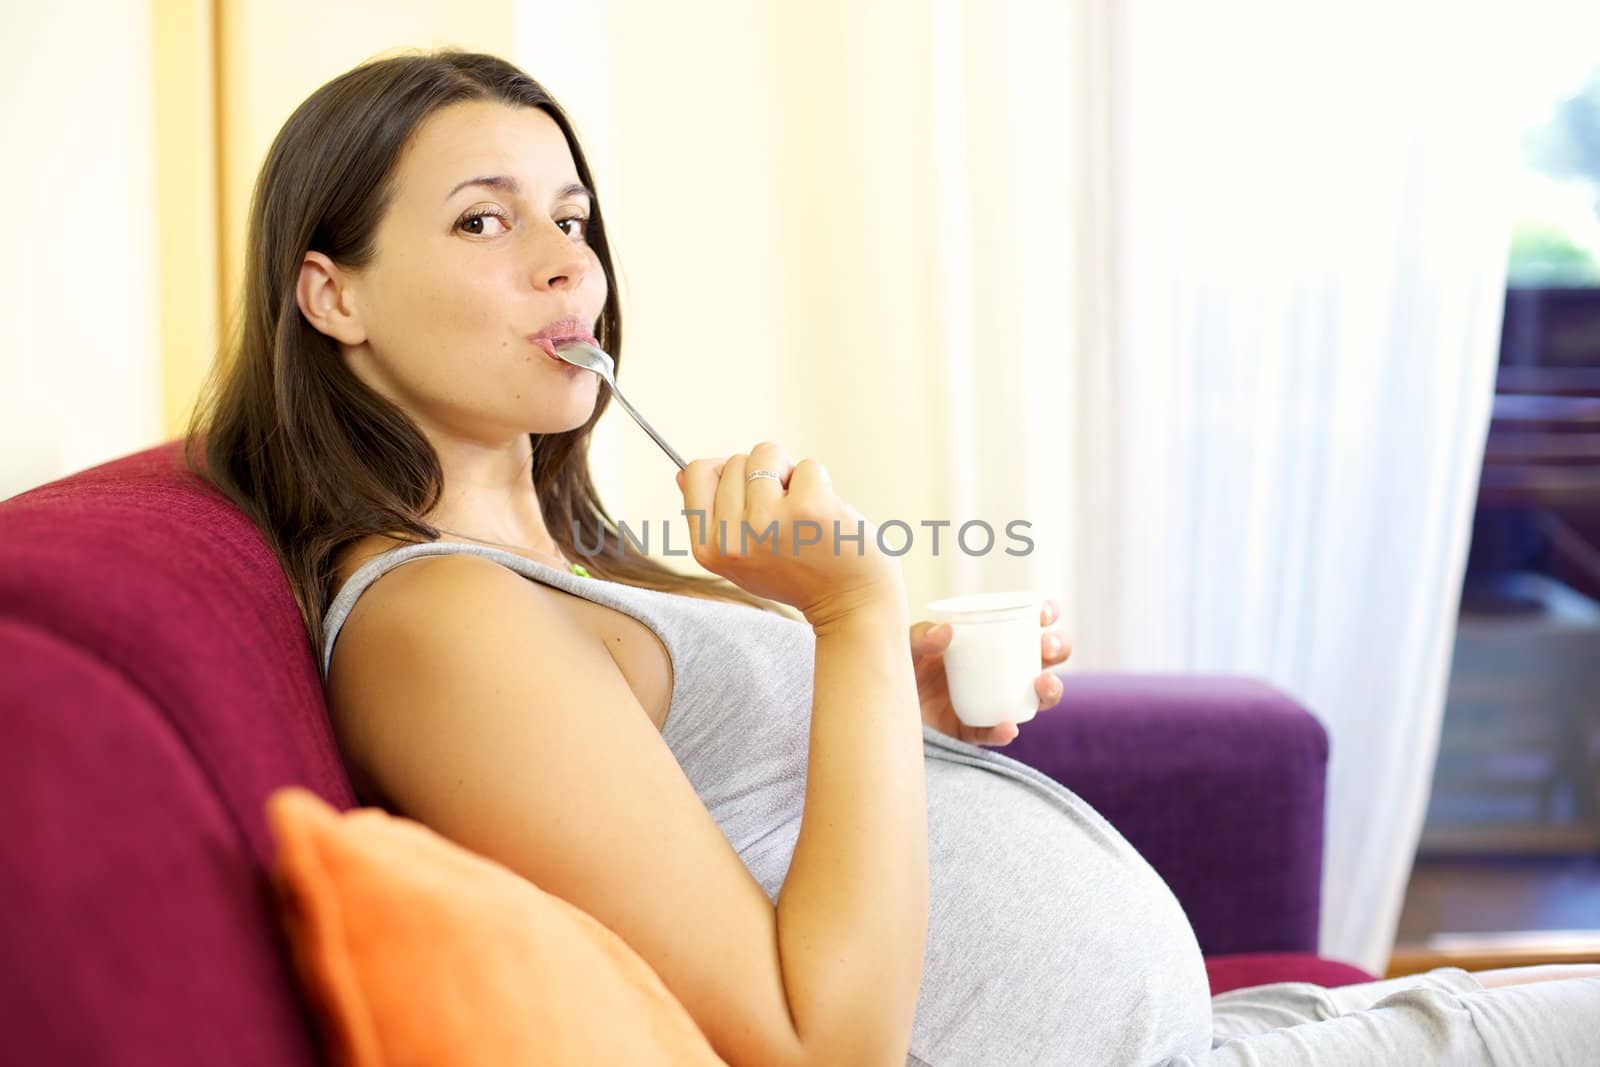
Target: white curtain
x,y
1208,294
1284,230
1294,238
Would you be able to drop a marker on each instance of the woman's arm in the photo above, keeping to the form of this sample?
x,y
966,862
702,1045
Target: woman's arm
x,y
852,914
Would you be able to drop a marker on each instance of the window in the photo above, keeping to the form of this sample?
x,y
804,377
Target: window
x,y
1512,833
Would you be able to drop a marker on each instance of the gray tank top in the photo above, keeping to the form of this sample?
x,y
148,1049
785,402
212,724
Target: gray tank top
x,y
1050,939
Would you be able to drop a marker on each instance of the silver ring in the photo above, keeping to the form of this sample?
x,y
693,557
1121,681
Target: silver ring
x,y
763,473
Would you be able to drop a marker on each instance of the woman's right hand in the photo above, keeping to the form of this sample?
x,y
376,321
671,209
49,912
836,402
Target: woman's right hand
x,y
825,578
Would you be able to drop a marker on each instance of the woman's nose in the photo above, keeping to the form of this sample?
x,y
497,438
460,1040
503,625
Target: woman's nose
x,y
561,262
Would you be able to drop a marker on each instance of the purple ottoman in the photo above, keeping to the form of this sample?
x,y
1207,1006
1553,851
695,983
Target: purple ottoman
x,y
1218,782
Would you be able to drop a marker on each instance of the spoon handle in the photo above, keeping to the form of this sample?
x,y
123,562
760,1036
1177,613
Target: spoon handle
x,y
640,419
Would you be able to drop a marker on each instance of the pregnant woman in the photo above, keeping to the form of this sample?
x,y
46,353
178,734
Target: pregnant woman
x,y
754,778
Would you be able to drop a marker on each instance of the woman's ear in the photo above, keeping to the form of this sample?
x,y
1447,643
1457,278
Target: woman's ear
x,y
326,300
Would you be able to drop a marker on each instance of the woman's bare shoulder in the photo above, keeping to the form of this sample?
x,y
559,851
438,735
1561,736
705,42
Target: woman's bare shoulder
x,y
425,627
351,557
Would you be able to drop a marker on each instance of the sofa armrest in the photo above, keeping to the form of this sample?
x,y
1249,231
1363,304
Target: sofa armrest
x,y
1217,781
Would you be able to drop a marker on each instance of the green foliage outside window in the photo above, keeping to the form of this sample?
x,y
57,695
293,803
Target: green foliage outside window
x,y
1542,255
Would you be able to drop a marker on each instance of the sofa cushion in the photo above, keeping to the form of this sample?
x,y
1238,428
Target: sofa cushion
x,y
1217,781
1265,968
158,685
420,952
135,928
173,588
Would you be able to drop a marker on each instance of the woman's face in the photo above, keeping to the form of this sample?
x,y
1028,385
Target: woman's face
x,y
464,273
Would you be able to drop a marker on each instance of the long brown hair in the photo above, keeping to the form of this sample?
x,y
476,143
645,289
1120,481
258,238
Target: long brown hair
x,y
289,433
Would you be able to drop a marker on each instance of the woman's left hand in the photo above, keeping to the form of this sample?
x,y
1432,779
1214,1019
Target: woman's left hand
x,y
928,644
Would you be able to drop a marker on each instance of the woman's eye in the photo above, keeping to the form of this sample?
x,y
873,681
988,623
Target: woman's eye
x,y
478,217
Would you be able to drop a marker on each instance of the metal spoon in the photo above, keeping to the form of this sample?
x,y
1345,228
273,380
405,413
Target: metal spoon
x,y
590,357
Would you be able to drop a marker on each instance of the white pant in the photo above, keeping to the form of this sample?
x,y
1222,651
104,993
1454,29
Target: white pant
x,y
1442,1017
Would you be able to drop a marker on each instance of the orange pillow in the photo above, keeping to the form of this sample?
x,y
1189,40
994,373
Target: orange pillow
x,y
416,951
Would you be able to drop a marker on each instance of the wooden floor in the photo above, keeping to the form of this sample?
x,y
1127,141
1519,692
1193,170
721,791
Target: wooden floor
x,y
1484,952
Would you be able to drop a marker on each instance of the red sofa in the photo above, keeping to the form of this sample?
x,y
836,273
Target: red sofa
x,y
157,685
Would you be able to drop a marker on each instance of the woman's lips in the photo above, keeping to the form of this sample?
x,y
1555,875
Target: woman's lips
x,y
551,344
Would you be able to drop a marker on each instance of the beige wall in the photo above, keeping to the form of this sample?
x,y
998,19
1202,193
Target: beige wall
x,y
130,193
188,192
771,217
229,75
79,375
274,55
775,217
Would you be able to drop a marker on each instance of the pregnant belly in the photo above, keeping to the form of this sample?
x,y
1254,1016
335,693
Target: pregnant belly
x,y
1050,940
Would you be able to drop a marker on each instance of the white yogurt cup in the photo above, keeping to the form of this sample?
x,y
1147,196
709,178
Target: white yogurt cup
x,y
993,657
